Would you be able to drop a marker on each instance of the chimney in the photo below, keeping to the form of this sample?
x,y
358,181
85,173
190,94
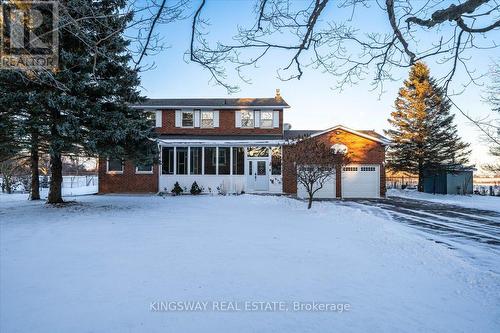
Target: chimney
x,y
278,94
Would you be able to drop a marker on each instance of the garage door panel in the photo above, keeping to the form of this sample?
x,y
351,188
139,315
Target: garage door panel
x,y
361,181
327,191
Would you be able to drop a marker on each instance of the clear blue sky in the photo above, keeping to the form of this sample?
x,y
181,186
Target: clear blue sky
x,y
314,104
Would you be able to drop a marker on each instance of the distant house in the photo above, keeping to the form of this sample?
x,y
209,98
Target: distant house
x,y
458,180
235,145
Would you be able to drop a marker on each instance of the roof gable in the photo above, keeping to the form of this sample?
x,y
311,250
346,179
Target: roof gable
x,y
367,134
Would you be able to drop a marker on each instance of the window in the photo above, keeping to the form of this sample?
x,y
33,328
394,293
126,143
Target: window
x,y
196,160
350,168
238,161
182,161
257,152
367,168
266,119
224,159
167,154
187,118
144,168
115,165
276,161
210,161
151,117
207,119
247,120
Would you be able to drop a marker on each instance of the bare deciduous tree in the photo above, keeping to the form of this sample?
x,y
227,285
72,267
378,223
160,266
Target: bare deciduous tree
x,y
313,163
416,30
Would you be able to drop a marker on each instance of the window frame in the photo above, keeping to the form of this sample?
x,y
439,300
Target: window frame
x,y
144,172
114,172
262,112
202,112
252,118
182,118
163,159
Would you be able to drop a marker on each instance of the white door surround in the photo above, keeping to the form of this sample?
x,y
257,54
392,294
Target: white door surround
x,y
258,174
361,181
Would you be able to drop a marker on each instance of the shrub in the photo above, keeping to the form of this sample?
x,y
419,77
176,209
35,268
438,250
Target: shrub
x,y
195,189
177,190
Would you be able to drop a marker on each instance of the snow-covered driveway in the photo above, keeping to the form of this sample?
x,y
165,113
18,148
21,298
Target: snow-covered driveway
x,y
105,263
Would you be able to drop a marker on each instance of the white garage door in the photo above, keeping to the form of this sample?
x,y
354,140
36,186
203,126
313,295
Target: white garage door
x,y
327,191
361,181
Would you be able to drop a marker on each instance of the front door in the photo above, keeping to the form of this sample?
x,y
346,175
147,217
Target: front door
x,y
258,177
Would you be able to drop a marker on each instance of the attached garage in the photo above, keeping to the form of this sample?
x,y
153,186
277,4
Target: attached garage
x,y
361,181
327,191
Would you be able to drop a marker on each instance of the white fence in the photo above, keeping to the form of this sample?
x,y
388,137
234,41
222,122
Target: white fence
x,y
71,184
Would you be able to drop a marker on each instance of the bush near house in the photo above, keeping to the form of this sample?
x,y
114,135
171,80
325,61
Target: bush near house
x,y
177,190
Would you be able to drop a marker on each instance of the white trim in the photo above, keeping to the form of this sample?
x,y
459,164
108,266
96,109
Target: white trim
x,y
178,118
276,119
113,172
366,136
144,172
197,118
256,118
216,118
237,118
194,142
187,111
158,118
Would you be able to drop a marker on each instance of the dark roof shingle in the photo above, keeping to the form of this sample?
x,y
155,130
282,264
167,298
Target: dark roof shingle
x,y
214,102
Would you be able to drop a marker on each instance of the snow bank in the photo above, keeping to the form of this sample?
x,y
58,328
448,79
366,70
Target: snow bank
x,y
98,265
470,201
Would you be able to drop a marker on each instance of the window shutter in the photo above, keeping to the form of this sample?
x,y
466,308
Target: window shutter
x,y
178,118
237,116
158,118
256,121
276,119
197,116
216,119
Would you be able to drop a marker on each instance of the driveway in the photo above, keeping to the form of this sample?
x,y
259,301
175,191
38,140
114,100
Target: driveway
x,y
444,223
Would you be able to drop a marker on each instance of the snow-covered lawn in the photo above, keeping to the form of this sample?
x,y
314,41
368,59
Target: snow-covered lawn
x,y
101,264
469,201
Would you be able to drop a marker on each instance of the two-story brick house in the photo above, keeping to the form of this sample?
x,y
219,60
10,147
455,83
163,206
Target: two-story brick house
x,y
234,146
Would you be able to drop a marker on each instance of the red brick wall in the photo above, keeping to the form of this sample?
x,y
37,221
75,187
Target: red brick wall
x,y
227,126
360,150
128,181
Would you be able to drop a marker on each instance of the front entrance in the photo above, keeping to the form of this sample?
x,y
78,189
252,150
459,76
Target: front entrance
x,y
258,176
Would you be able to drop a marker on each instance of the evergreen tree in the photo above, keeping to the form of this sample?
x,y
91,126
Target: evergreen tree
x,y
423,132
83,106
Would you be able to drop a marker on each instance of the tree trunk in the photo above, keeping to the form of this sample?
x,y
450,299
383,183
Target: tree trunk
x,y
55,188
420,186
35,175
309,205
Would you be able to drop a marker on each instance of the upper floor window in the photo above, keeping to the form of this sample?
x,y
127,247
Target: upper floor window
x,y
247,119
187,118
266,119
207,119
